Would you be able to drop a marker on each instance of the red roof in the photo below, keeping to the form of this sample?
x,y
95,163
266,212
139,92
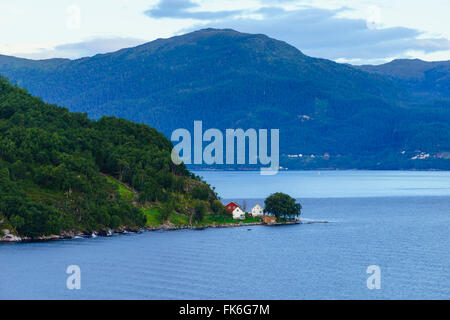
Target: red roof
x,y
231,206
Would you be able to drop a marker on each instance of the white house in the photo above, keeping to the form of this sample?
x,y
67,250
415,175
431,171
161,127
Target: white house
x,y
238,214
257,211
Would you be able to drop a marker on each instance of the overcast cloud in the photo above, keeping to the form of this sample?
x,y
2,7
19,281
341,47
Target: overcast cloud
x,y
181,9
321,33
369,31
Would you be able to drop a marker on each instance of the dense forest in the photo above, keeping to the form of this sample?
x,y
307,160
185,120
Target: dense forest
x,y
394,116
61,172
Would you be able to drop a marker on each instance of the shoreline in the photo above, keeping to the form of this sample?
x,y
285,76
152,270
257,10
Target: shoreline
x,y
165,227
317,169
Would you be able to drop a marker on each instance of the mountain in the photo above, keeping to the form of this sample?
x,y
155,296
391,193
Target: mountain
x,y
358,118
64,174
425,80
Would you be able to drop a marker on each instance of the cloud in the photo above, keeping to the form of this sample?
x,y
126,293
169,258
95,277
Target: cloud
x,y
322,33
83,49
316,32
180,9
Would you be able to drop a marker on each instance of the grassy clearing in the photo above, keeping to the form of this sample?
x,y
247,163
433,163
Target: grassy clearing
x,y
227,219
123,190
179,220
153,217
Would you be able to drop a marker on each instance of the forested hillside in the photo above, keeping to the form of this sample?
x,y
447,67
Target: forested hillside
x,y
338,115
61,172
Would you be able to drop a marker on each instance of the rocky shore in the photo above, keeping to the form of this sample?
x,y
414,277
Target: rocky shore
x,y
11,238
8,237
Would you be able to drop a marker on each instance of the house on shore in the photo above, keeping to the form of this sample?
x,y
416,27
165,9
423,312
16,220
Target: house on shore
x,y
257,211
231,206
238,214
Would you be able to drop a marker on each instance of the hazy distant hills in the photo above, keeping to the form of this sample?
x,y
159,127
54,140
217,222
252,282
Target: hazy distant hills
x,y
426,80
361,116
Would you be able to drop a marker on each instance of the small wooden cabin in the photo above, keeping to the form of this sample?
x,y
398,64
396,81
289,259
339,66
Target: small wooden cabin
x,y
269,219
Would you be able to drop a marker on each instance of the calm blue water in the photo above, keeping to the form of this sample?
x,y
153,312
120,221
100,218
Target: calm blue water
x,y
330,184
396,220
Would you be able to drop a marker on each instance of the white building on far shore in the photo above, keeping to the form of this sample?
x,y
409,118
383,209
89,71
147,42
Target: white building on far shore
x,y
238,214
257,211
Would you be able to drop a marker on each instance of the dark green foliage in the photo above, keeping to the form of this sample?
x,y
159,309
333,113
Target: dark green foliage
x,y
199,211
282,205
29,218
115,221
218,210
217,206
51,160
200,193
178,184
166,209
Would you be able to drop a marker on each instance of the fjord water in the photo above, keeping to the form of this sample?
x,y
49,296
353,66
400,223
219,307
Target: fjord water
x,y
398,221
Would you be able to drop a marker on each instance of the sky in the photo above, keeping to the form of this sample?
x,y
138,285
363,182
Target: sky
x,y
351,31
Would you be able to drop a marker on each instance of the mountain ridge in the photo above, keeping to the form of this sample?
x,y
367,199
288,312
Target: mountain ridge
x,y
426,80
230,79
401,68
